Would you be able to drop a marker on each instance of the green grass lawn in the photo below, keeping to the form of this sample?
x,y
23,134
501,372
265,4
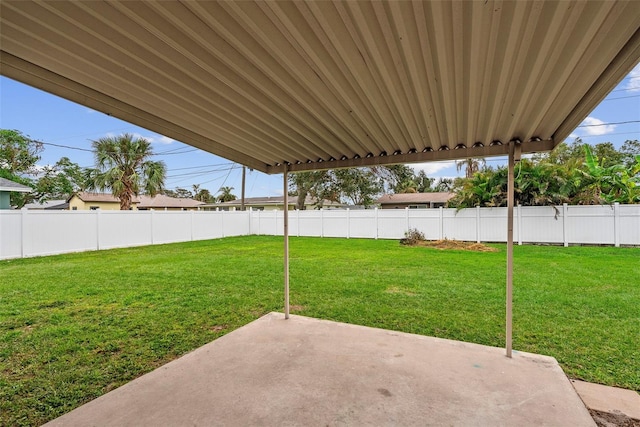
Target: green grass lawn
x,y
73,327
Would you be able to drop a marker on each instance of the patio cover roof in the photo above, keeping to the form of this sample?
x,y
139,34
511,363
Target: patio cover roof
x,y
330,84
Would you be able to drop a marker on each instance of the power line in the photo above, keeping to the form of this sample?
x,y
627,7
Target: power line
x,y
92,133
200,173
67,146
169,153
611,123
204,166
626,89
608,134
89,150
621,97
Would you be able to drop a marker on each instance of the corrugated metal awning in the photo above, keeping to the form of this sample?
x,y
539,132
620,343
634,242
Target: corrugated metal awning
x,y
330,84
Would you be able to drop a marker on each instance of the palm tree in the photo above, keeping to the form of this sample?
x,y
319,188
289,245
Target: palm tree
x,y
123,166
226,195
470,165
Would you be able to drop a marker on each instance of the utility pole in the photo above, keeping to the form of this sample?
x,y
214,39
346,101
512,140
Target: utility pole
x,y
244,173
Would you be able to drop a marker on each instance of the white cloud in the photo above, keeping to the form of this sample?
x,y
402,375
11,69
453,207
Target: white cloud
x,y
165,140
432,168
593,126
633,85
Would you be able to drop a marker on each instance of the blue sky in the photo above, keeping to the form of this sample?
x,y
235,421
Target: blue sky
x,y
53,120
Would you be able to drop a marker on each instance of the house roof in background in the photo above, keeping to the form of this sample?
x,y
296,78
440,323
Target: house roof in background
x,y
8,185
161,201
414,198
48,205
274,201
86,196
330,84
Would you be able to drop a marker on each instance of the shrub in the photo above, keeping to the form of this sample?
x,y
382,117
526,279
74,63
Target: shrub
x,y
412,237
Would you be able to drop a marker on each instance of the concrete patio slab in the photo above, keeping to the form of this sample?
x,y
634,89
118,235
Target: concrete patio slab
x,y
609,399
311,372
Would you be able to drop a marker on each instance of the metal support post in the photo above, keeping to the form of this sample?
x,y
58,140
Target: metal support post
x,y
514,155
286,243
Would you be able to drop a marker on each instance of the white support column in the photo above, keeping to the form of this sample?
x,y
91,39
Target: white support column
x,y
298,222
321,222
286,242
514,154
348,223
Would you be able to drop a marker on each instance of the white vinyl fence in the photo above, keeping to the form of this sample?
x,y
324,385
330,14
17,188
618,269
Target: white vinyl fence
x,y
28,233
34,233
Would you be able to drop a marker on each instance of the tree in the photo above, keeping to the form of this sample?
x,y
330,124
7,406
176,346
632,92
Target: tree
x,y
60,180
397,178
18,157
608,184
317,184
573,175
630,149
423,182
470,165
607,153
123,166
485,188
444,185
18,153
203,195
358,186
226,195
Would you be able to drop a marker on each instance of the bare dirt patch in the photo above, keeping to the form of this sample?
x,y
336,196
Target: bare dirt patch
x,y
453,244
608,419
296,308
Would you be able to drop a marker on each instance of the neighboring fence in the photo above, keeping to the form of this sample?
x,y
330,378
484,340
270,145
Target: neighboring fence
x,y
33,233
600,225
27,233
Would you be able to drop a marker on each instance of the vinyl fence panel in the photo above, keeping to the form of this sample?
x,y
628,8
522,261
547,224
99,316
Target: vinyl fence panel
x,y
392,223
50,233
427,221
590,224
119,229
33,233
541,224
11,234
628,230
363,224
460,225
235,223
207,225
